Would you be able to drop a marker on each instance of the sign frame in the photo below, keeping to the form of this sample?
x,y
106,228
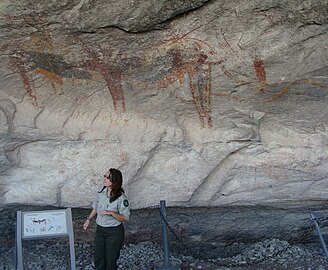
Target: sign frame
x,y
43,224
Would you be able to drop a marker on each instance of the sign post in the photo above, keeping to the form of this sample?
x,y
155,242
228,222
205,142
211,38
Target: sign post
x,y
43,224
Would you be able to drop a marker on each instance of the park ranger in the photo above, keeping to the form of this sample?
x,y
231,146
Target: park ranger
x,y
111,207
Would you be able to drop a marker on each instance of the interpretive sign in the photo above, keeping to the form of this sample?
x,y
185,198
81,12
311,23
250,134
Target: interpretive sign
x,y
38,224
43,224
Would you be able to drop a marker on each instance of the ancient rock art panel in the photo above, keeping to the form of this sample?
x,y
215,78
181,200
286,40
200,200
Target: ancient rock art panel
x,y
184,59
256,75
36,56
52,67
102,61
40,41
192,58
18,64
258,82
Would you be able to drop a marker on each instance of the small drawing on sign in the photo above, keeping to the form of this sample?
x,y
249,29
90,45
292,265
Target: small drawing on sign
x,y
44,223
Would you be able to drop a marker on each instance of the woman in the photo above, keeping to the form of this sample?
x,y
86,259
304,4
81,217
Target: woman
x,y
112,209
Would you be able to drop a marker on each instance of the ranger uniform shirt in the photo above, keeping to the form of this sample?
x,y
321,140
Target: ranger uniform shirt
x,y
102,202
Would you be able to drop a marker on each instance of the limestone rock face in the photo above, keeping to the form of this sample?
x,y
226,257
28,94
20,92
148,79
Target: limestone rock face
x,y
196,102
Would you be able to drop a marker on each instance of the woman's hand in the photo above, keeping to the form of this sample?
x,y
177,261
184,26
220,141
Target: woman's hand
x,y
106,213
115,215
86,224
89,218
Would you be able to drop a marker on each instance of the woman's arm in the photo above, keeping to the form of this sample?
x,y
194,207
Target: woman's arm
x,y
89,218
115,215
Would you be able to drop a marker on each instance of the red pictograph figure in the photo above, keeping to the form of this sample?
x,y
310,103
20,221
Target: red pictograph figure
x,y
260,73
18,64
102,61
191,59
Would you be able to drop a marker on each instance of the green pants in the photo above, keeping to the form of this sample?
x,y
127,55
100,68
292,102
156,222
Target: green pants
x,y
108,243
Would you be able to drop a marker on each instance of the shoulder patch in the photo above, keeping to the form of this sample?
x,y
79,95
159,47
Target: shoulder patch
x,y
126,203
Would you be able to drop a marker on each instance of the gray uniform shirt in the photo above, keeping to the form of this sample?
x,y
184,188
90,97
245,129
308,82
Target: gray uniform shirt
x,y
102,202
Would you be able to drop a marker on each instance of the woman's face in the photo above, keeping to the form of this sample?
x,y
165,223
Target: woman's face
x,y
108,180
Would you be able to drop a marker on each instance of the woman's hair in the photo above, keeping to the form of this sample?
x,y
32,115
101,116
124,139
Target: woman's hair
x,y
116,178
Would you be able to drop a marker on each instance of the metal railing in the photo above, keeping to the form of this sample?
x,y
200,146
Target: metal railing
x,y
168,263
314,218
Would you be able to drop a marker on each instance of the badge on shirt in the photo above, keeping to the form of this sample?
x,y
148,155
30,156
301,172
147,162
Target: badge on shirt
x,y
126,203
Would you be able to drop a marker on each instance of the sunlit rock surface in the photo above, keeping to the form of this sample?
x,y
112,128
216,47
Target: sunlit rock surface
x,y
199,103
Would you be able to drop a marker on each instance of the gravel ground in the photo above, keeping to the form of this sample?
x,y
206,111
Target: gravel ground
x,y
270,254
53,254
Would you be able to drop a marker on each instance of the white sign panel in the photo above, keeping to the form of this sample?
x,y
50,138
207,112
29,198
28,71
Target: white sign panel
x,y
44,223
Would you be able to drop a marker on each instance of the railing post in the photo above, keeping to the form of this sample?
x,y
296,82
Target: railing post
x,y
320,235
165,264
164,234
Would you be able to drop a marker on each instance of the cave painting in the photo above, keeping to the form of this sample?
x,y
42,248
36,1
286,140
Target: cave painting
x,y
36,57
17,63
53,78
52,67
259,81
184,57
40,40
260,73
186,60
103,61
191,63
180,57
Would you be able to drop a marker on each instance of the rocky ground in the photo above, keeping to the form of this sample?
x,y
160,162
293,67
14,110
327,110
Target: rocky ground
x,y
271,253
